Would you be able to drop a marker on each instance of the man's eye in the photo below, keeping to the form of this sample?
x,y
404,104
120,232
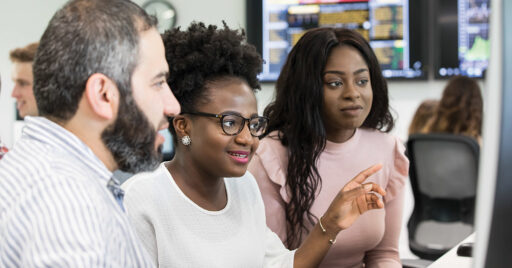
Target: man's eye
x,y
160,84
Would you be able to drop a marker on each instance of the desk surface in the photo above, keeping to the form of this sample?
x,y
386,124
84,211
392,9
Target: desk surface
x,y
451,259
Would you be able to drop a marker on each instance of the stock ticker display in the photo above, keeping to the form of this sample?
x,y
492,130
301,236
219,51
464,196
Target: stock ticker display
x,y
462,47
474,43
384,23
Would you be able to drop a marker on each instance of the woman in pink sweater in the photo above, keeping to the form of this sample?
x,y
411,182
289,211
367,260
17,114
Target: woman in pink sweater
x,y
330,120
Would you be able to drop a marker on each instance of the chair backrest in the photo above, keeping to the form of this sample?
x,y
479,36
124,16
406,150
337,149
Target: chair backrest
x,y
445,165
443,174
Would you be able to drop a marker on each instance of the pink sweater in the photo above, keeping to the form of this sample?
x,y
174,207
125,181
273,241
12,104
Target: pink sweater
x,y
373,238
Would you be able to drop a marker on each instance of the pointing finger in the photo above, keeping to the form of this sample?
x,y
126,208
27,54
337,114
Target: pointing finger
x,y
363,175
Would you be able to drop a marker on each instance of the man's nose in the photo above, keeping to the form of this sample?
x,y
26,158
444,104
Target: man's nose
x,y
171,105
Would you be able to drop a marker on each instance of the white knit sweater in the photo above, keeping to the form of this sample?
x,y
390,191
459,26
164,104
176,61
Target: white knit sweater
x,y
179,233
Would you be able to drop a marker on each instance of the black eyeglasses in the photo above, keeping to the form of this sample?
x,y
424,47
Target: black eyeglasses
x,y
232,124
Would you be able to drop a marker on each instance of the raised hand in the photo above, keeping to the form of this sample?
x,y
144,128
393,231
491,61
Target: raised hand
x,y
354,199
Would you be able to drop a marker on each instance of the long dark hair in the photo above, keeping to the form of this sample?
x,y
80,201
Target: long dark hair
x,y
299,90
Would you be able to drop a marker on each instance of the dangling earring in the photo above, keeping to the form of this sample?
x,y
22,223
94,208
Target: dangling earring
x,y
186,140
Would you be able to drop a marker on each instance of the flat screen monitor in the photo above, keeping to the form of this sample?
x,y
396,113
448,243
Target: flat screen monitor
x,y
494,201
461,38
396,30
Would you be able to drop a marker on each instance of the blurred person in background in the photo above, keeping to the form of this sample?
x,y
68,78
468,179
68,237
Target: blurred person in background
x,y
423,114
23,79
460,109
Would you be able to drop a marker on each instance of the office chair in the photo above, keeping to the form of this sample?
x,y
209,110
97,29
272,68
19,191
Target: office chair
x,y
443,173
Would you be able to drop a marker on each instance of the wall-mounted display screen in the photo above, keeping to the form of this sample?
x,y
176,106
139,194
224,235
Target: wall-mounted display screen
x,y
394,28
461,38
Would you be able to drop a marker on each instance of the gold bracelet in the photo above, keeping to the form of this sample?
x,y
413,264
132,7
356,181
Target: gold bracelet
x,y
332,241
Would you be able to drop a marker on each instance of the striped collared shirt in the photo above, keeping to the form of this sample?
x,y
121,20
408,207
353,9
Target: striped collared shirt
x,y
55,207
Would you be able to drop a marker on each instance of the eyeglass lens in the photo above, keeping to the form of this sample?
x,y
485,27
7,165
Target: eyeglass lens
x,y
233,124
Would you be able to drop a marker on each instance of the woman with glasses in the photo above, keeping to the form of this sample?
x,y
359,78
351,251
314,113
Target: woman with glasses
x,y
203,209
332,79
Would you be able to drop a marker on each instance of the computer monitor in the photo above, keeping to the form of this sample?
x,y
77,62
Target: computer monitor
x,y
494,198
396,30
461,37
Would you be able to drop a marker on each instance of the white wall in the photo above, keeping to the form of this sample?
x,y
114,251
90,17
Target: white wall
x,y
208,11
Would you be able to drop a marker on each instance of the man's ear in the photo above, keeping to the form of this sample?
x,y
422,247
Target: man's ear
x,y
102,95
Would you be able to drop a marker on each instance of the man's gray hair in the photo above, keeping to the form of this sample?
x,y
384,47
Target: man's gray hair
x,y
86,37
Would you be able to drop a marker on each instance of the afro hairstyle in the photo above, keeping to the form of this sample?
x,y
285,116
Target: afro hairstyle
x,y
204,54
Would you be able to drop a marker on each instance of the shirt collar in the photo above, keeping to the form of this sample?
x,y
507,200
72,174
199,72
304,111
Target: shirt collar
x,y
59,138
